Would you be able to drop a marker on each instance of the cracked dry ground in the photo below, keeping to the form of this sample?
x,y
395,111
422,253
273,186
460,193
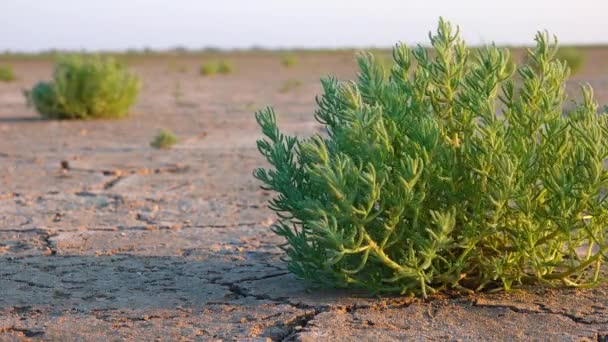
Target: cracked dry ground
x,y
139,244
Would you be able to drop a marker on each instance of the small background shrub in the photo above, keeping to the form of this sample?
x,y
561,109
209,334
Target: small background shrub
x,y
165,139
208,69
575,58
85,88
225,67
289,60
7,74
451,171
213,67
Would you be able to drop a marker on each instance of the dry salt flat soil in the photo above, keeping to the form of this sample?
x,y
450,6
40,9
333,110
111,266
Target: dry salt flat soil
x,y
105,238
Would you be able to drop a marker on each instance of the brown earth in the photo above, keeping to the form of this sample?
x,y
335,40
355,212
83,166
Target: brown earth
x,y
134,243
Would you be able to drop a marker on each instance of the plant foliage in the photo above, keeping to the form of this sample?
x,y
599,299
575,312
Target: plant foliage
x,y
208,69
213,67
572,56
289,60
164,140
85,88
450,171
225,67
7,74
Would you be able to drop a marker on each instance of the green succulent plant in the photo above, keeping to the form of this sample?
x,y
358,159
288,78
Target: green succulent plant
x,y
7,74
225,67
85,88
165,139
213,67
574,57
289,60
443,173
208,69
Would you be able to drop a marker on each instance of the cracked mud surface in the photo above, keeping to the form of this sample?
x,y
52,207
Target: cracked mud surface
x,y
104,238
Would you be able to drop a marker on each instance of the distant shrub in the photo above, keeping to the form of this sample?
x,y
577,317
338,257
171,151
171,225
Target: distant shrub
x,y
225,67
573,57
6,73
85,88
164,140
213,67
289,60
208,69
290,85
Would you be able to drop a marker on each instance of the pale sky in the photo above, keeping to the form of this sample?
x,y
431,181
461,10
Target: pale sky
x,y
34,25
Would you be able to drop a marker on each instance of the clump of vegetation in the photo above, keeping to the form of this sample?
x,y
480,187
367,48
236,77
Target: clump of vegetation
x,y
208,69
225,67
289,60
213,67
85,88
290,85
7,74
453,172
573,57
165,139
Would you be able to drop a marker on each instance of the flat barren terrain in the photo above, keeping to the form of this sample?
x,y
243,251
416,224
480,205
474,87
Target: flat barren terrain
x,y
103,237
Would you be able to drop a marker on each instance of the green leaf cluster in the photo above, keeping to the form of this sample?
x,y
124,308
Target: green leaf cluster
x,y
213,67
452,170
85,87
165,139
7,74
289,60
208,69
225,67
574,57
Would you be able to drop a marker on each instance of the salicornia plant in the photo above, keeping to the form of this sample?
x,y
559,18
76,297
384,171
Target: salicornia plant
x,y
572,56
85,88
451,170
6,73
165,139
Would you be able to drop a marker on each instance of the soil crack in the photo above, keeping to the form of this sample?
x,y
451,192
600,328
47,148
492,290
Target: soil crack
x,y
543,310
46,238
31,283
298,324
109,184
24,331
